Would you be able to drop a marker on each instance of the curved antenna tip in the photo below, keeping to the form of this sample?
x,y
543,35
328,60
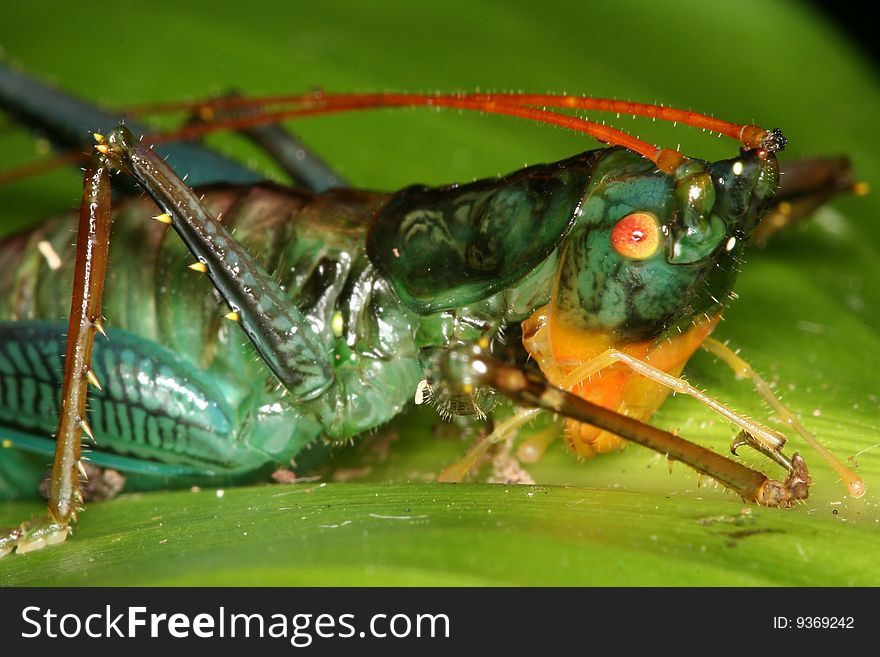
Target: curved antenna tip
x,y
774,141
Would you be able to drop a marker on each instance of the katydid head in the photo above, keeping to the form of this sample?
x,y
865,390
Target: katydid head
x,y
652,250
717,202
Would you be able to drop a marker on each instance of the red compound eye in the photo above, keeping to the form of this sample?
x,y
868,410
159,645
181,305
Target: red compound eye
x,y
636,236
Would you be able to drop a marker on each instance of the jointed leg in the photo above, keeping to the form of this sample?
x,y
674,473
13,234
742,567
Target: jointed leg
x,y
503,431
770,441
466,366
291,154
276,327
281,334
854,483
65,498
766,440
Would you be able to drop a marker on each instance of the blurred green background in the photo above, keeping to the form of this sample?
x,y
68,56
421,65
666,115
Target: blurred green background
x,y
806,318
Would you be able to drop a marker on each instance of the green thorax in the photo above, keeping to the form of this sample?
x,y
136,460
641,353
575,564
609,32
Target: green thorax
x,y
446,247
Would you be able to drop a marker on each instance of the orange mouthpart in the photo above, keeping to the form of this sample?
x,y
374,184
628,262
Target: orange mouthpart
x,y
559,348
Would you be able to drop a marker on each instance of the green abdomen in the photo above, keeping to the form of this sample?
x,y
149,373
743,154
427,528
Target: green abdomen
x,y
182,386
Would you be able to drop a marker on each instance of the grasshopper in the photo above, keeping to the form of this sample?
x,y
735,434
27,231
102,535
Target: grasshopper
x,y
615,263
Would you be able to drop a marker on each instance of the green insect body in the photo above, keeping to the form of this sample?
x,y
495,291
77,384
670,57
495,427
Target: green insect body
x,y
385,282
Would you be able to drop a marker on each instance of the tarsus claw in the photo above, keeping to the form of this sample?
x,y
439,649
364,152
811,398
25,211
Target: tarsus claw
x,y
32,535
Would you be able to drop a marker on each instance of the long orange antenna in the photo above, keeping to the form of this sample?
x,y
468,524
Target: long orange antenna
x,y
277,108
750,135
664,158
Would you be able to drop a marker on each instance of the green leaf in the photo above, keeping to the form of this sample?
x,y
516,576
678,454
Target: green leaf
x,y
429,534
806,317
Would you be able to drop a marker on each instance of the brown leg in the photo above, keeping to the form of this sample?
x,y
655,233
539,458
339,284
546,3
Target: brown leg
x,y
65,497
467,366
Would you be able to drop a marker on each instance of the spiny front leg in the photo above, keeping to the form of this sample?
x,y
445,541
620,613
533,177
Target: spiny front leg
x,y
467,366
65,497
764,439
281,334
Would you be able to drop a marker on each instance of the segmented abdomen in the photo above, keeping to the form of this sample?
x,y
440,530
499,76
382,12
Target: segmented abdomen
x,y
150,292
160,314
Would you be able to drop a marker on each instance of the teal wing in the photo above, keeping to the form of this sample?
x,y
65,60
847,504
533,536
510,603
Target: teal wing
x,y
156,413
